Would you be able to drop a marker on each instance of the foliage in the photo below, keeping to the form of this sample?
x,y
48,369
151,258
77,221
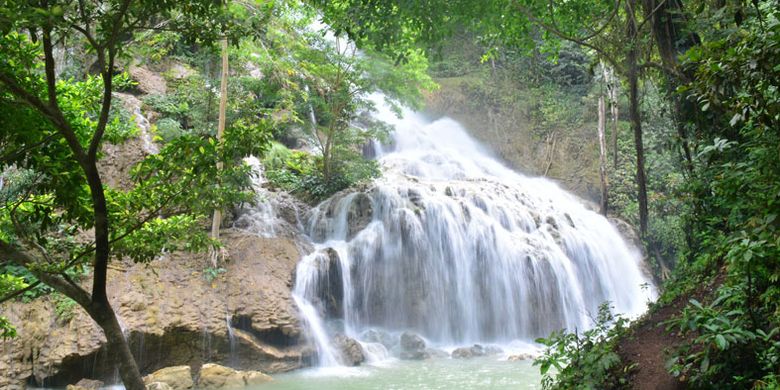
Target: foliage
x,y
725,349
211,273
64,307
297,172
588,360
733,340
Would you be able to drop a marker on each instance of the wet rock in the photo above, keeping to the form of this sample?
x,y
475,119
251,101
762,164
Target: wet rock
x,y
177,377
379,336
415,197
351,351
158,386
475,351
519,357
86,384
214,377
412,347
253,378
360,214
330,287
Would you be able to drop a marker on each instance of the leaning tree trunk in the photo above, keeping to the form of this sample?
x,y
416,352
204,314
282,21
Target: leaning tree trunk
x,y
104,316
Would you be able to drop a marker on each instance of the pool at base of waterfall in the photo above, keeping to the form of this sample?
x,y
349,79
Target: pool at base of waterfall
x,y
491,372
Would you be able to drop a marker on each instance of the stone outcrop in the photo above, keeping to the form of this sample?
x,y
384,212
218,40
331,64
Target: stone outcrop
x,y
172,315
412,347
360,213
86,384
351,350
158,386
520,357
475,351
330,285
216,377
176,377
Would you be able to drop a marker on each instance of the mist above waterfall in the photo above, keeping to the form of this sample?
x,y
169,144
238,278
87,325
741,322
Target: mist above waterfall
x,y
453,245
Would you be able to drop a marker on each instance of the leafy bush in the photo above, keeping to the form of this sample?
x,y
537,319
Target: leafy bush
x,y
726,349
587,360
300,173
167,129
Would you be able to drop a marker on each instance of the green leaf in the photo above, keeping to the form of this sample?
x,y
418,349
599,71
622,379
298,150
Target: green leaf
x,y
721,342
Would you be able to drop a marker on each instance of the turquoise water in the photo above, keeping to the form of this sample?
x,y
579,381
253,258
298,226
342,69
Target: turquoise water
x,y
442,373
438,373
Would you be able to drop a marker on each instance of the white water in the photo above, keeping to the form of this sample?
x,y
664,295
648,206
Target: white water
x,y
261,218
461,249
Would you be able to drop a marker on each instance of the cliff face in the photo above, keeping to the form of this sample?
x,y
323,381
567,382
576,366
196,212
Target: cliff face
x,y
172,315
566,154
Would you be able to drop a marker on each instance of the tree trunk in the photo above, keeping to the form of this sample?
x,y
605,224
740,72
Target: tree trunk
x,y
105,317
603,154
217,220
612,93
636,121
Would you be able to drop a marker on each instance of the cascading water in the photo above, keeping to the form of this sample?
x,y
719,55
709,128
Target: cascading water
x,y
451,244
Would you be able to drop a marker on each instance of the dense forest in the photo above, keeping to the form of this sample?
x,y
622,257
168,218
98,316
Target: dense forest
x,y
136,132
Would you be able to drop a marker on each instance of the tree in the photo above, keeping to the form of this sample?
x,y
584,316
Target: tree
x,y
217,219
53,129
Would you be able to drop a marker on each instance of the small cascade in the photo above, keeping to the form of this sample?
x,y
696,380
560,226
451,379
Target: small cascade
x,y
231,339
454,246
146,136
261,218
133,105
304,282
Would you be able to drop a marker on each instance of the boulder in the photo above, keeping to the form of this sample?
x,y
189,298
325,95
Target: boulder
x,y
214,376
379,336
475,351
253,378
519,357
158,386
351,350
86,384
177,377
412,347
360,214
330,285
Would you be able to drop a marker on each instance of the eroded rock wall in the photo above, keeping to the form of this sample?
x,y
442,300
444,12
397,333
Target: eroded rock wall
x,y
173,315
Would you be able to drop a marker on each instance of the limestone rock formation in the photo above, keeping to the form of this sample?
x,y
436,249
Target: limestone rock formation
x,y
158,386
351,351
176,377
475,351
412,347
172,316
216,377
86,384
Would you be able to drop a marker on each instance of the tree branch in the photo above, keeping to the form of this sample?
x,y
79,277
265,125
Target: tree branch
x,y
22,258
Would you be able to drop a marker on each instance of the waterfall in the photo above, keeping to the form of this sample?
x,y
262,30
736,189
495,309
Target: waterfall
x,y
453,245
